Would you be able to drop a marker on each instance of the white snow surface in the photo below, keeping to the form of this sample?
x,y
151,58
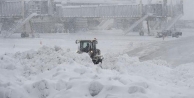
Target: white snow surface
x,y
48,67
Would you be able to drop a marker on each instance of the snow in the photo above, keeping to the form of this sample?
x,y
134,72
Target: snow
x,y
100,1
49,67
95,88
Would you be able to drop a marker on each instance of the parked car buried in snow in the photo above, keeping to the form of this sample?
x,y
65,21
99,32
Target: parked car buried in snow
x,y
164,33
176,34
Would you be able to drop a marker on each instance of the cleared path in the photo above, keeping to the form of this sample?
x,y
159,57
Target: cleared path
x,y
176,52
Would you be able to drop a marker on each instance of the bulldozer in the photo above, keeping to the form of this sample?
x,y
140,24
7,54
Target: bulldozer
x,y
89,46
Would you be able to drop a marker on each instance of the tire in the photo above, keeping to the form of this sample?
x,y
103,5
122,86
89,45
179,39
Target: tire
x,y
22,35
181,33
141,33
94,61
97,62
27,35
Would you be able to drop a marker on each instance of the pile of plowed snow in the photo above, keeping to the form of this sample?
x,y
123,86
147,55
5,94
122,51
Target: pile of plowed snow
x,y
62,73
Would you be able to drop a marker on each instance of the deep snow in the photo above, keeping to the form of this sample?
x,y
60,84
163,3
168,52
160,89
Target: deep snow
x,y
29,69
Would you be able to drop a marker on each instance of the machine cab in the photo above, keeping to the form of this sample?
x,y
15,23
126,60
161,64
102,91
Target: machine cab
x,y
86,45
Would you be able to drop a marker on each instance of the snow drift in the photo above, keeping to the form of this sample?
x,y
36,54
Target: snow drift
x,y
60,73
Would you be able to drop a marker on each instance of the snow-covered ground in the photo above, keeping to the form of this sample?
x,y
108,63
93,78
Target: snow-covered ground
x,y
175,52
48,67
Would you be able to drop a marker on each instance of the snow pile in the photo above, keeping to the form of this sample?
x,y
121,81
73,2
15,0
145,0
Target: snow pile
x,y
20,67
47,58
135,89
61,73
183,75
95,88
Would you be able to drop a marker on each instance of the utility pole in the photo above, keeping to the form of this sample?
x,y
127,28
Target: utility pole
x,y
141,8
149,6
149,11
171,6
148,27
23,9
182,7
23,16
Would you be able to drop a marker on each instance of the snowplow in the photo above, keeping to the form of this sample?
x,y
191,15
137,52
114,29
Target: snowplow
x,y
89,46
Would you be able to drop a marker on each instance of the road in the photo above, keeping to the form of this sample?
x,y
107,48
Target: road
x,y
175,52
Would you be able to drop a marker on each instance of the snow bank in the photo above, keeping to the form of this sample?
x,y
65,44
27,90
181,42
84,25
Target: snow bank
x,y
61,73
95,88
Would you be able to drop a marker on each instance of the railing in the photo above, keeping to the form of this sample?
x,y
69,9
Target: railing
x,y
14,9
158,10
101,11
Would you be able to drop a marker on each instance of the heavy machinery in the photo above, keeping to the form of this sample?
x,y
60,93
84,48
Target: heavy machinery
x,y
89,46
